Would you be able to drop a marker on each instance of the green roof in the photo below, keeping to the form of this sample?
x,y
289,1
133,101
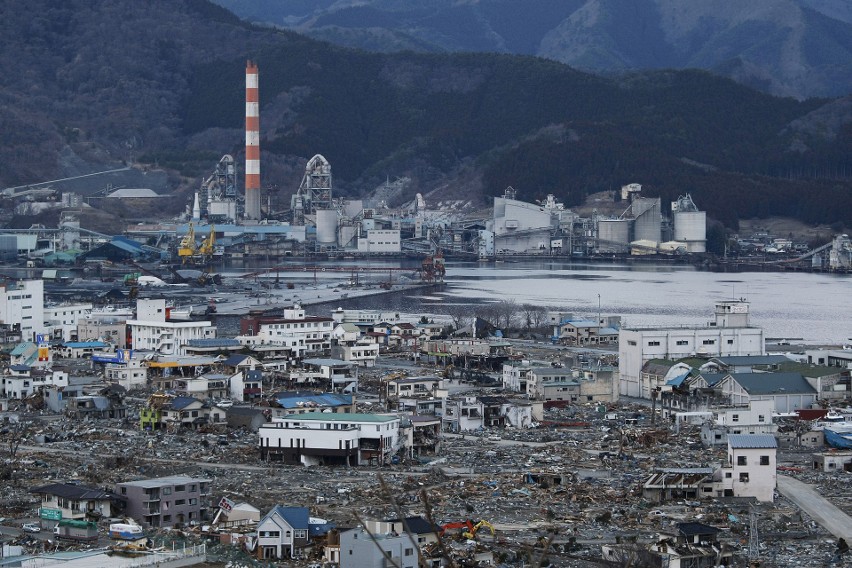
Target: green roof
x,y
809,370
341,417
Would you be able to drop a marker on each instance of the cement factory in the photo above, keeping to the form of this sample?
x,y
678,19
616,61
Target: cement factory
x,y
317,224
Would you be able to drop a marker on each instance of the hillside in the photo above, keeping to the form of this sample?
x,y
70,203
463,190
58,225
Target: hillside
x,y
798,48
166,89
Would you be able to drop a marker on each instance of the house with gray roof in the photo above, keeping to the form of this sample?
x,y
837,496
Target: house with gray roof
x,y
789,391
72,501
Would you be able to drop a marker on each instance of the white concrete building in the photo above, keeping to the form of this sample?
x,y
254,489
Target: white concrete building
x,y
130,375
300,334
151,331
20,386
380,241
61,321
754,419
750,471
730,333
22,304
316,438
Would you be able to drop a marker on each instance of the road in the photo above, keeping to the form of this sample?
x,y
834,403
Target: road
x,y
807,499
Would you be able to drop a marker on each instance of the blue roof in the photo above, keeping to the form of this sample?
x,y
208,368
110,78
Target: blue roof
x,y
678,380
234,360
20,367
128,245
182,402
319,529
298,400
22,348
296,517
213,342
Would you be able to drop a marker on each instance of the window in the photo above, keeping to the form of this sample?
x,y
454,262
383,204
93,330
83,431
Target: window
x,y
409,551
709,342
760,418
728,475
630,342
653,344
764,460
744,477
180,502
742,460
683,342
730,342
735,417
167,518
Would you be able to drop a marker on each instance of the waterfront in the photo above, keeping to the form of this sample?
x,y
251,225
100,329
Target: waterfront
x,y
813,307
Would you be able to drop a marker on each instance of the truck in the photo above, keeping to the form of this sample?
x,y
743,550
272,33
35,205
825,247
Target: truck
x,y
80,531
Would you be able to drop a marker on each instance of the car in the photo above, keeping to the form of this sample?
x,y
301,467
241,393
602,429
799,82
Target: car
x,y
225,403
31,527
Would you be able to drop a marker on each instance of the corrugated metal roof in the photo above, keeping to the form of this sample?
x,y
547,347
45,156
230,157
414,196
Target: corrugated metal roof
x,y
345,417
773,383
746,441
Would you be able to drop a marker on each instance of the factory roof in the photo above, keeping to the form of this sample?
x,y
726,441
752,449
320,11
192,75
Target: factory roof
x,y
135,192
773,383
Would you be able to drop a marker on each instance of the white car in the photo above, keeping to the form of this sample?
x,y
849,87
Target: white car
x,y
31,527
225,403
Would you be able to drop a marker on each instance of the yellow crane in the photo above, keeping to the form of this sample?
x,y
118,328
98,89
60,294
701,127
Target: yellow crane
x,y
208,245
187,247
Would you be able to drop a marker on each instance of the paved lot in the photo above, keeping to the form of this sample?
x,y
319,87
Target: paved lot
x,y
806,498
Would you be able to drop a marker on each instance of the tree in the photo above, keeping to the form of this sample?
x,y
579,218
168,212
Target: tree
x,y
460,315
534,316
15,434
506,312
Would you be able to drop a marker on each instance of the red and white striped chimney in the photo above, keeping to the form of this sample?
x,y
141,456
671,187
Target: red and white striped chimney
x,y
252,205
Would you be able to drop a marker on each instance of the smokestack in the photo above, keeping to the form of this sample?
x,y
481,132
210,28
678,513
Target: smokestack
x,y
252,207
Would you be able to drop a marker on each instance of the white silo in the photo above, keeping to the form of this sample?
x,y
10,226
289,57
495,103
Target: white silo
x,y
326,226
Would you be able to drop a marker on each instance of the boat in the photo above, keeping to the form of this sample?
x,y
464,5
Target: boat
x,y
126,531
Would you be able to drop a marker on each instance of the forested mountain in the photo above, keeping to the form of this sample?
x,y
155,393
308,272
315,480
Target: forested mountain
x,y
799,48
92,84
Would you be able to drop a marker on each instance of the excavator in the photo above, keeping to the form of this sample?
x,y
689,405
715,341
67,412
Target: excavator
x,y
471,528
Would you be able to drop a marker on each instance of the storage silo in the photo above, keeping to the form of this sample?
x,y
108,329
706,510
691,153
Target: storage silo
x,y
326,226
690,227
613,235
347,236
648,219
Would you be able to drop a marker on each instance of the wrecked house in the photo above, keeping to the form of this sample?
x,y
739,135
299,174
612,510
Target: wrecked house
x,y
423,434
246,385
333,374
677,483
692,545
755,419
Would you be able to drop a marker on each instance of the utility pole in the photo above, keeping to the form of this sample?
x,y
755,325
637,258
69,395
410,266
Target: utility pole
x,y
753,539
599,319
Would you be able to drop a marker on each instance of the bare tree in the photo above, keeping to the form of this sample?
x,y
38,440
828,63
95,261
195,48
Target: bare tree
x,y
460,315
15,433
506,314
534,316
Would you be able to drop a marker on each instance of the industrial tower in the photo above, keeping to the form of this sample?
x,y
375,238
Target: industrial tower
x,y
252,174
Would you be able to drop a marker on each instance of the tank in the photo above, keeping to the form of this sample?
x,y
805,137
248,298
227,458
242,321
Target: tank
x,y
347,236
648,216
690,227
326,226
612,233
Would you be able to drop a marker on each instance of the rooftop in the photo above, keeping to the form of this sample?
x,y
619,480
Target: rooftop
x,y
752,441
346,417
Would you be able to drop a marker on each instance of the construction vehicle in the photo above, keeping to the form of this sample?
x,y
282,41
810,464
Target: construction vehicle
x,y
469,528
187,247
483,523
468,524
